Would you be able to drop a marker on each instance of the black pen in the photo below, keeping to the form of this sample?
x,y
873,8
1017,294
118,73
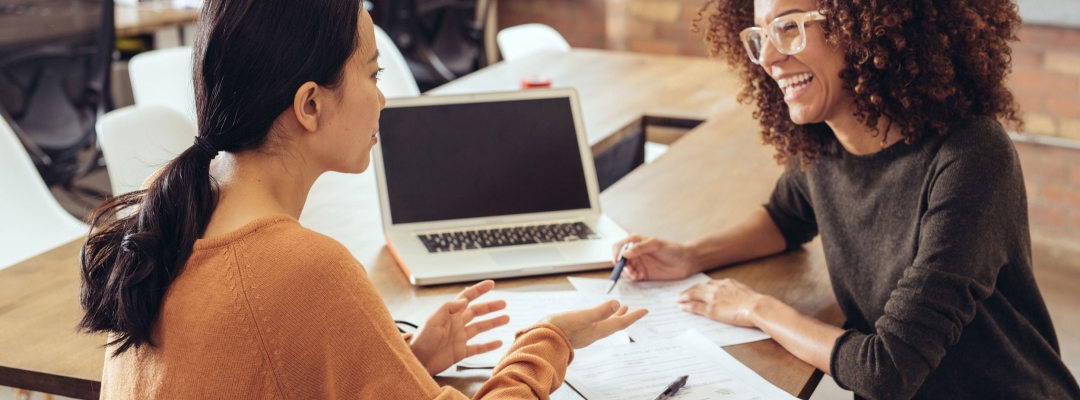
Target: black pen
x,y
619,264
670,390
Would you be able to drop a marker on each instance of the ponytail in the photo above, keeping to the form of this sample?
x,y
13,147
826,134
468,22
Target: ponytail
x,y
249,59
140,243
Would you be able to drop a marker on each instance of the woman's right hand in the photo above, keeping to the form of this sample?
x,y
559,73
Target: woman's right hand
x,y
583,327
653,259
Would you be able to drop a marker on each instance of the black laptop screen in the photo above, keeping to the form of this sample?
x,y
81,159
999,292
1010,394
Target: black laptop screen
x,y
481,159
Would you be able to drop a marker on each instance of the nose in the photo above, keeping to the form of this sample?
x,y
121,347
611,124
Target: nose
x,y
770,55
382,99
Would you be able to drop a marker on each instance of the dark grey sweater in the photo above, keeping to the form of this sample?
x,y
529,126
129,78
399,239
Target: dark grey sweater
x,y
930,259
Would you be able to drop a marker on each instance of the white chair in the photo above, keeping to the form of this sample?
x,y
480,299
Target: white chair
x,y
519,41
138,140
31,220
396,80
164,78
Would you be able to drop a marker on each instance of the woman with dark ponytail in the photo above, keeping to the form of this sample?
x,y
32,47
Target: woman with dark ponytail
x,y
209,287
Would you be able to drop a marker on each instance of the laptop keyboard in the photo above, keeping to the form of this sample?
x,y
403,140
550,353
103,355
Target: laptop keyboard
x,y
511,236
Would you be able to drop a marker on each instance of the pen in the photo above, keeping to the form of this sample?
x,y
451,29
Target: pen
x,y
619,264
670,390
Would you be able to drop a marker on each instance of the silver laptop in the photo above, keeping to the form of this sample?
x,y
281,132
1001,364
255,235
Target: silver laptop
x,y
490,186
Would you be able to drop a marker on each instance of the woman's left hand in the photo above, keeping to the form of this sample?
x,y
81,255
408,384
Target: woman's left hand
x,y
725,300
442,341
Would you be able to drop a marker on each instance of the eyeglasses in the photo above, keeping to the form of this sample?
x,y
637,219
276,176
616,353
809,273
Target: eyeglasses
x,y
787,33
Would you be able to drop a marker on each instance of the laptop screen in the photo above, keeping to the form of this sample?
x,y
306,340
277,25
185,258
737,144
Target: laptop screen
x,y
475,160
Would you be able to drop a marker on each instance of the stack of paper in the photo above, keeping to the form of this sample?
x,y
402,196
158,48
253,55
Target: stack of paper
x,y
665,320
641,370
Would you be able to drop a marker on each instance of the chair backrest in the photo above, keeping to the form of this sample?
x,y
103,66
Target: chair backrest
x,y
519,41
396,80
31,220
138,140
163,78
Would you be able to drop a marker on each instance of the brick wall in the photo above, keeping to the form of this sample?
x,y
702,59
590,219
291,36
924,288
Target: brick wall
x,y
581,22
1045,80
1052,175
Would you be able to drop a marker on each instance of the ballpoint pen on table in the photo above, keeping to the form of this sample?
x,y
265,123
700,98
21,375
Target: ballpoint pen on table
x,y
619,264
670,390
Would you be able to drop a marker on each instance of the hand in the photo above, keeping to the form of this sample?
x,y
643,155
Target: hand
x,y
442,341
652,259
583,327
725,300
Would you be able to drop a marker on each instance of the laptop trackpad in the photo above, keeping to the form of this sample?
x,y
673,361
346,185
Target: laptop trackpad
x,y
527,256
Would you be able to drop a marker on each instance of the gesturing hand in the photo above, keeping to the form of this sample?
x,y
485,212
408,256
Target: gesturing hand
x,y
583,327
442,341
725,300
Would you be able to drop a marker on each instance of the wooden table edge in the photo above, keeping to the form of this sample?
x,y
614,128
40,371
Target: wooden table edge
x,y
49,383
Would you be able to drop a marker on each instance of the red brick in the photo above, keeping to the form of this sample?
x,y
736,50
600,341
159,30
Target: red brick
x,y
591,29
564,26
637,29
521,6
1049,36
653,46
1076,175
510,18
676,32
1029,102
1025,56
1032,189
1048,217
1044,81
1062,195
694,50
1076,221
690,13
1068,106
1038,167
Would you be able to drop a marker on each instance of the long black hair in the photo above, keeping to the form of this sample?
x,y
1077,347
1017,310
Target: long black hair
x,y
249,59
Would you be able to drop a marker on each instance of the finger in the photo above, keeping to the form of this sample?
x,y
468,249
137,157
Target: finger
x,y
635,270
479,309
694,293
601,311
622,310
618,323
472,292
454,307
643,247
474,349
695,307
476,328
618,245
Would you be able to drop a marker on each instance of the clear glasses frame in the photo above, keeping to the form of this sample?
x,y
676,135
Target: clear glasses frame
x,y
781,32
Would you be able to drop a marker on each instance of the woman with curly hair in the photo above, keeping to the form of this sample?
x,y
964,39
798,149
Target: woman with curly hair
x,y
887,116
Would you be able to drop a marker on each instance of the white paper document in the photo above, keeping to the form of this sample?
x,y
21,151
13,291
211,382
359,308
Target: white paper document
x,y
641,370
665,320
525,309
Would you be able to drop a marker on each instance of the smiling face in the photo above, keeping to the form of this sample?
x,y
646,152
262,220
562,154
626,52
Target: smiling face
x,y
810,79
352,119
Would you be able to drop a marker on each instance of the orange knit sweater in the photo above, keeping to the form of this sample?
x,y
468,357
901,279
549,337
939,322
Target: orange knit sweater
x,y
277,311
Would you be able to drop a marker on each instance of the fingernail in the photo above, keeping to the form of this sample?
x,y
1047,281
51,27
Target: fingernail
x,y
614,305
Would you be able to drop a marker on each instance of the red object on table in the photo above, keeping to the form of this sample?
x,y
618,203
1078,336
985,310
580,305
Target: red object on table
x,y
535,81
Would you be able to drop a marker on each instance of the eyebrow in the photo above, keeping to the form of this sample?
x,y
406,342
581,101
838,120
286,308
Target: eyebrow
x,y
373,57
791,11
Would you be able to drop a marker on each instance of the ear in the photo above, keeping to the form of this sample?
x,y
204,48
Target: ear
x,y
307,106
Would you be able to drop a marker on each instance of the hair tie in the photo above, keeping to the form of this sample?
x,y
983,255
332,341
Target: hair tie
x,y
206,148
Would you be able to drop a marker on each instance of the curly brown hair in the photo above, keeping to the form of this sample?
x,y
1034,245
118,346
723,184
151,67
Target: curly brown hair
x,y
921,64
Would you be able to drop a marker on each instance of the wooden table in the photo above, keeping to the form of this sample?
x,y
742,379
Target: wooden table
x,y
150,17
707,180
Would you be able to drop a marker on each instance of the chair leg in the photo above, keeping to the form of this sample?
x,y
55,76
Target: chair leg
x,y
46,396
